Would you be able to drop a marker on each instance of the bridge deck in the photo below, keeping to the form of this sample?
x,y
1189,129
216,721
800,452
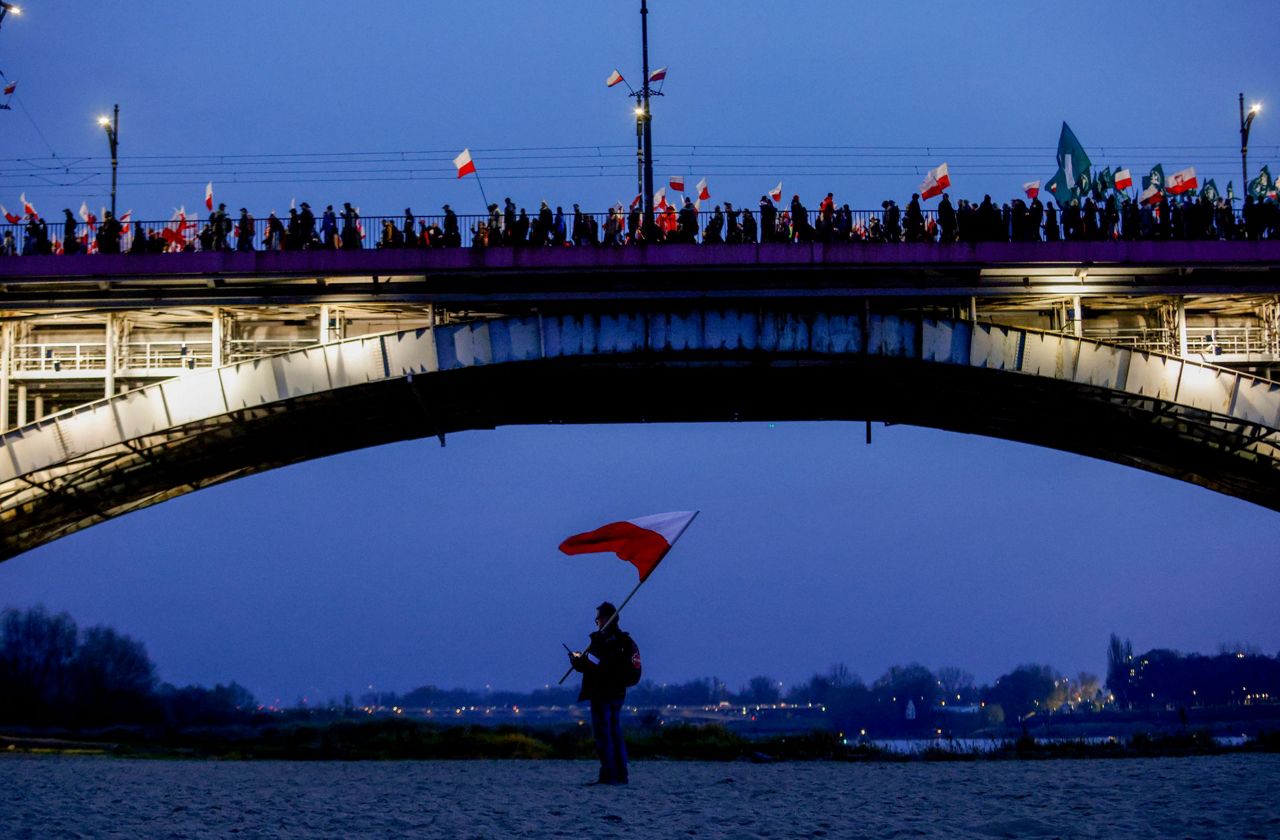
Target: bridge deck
x,y
665,271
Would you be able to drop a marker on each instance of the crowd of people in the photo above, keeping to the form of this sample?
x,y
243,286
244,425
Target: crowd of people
x,y
1111,217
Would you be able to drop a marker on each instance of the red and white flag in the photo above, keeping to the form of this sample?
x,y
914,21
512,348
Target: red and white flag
x,y
10,88
614,78
1151,195
1183,180
1031,188
27,207
464,163
677,183
1123,179
660,199
635,202
88,217
776,192
657,75
702,191
642,542
935,182
9,217
208,196
124,221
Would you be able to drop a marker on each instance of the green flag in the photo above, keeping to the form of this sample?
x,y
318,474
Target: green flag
x,y
1210,192
1154,179
1260,186
1231,193
1108,180
1060,188
1072,159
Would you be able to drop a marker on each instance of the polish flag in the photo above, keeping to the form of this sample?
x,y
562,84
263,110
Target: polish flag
x,y
1031,188
88,217
613,79
642,542
677,183
124,221
1182,181
464,163
635,202
208,196
776,192
9,217
10,88
660,199
27,207
657,75
935,182
1123,179
1151,195
703,192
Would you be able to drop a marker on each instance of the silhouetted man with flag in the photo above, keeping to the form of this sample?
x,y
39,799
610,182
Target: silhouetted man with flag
x,y
606,667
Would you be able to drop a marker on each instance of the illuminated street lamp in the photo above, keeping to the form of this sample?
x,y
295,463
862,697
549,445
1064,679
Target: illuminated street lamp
x,y
111,125
1245,122
6,8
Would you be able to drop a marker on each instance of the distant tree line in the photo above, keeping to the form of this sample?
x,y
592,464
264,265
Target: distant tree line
x,y
53,673
1237,675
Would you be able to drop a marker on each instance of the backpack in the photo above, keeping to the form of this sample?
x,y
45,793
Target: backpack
x,y
632,668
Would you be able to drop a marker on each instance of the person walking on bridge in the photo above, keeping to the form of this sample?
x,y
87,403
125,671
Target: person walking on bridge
x,y
244,233
607,667
350,228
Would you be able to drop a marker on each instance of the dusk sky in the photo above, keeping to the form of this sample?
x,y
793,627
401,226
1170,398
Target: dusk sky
x,y
411,564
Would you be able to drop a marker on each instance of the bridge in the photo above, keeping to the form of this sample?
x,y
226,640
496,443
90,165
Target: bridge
x,y
128,380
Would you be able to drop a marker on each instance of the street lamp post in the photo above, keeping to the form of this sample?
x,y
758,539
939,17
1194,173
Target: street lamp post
x,y
646,117
1245,122
112,126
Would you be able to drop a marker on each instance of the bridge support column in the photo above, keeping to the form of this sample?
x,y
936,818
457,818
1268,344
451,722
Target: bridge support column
x,y
1077,317
215,337
6,356
1182,328
109,380
324,323
39,407
22,405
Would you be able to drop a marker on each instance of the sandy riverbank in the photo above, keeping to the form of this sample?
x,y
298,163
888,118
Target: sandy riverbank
x,y
1202,797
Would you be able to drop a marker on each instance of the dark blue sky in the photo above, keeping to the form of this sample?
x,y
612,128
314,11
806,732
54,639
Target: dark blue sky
x,y
412,564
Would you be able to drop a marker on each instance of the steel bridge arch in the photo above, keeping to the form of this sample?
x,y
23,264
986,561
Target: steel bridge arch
x,y
1196,422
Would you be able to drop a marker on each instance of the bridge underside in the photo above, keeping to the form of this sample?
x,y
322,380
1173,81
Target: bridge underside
x,y
696,385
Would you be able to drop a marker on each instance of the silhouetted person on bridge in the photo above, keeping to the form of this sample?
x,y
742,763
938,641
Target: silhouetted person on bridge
x,y
329,228
768,220
748,227
946,219
609,664
70,244
109,233
452,235
307,225
244,238
351,239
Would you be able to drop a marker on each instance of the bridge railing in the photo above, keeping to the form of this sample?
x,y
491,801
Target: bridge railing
x,y
863,225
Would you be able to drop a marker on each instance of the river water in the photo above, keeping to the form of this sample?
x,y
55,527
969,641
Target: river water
x,y
1202,797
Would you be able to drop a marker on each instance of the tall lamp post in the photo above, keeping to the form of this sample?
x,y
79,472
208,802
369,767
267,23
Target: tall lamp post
x,y
112,126
647,116
1246,120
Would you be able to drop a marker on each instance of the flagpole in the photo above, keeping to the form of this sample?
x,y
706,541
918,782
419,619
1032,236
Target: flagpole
x,y
482,195
612,620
